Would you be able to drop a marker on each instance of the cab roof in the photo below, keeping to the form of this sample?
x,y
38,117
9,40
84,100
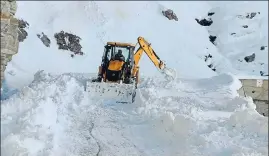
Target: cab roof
x,y
120,44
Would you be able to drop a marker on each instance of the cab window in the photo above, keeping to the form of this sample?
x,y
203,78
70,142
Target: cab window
x,y
125,52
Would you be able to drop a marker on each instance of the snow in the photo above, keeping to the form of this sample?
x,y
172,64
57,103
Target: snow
x,y
246,41
199,114
55,114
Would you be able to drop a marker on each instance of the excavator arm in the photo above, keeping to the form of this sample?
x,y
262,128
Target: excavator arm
x,y
146,47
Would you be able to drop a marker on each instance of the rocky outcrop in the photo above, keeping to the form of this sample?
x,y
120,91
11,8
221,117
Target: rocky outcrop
x,y
170,14
210,13
21,31
44,38
208,60
248,15
212,39
68,41
204,22
9,33
263,47
250,58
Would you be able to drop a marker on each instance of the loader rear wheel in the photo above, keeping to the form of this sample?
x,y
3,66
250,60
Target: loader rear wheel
x,y
137,78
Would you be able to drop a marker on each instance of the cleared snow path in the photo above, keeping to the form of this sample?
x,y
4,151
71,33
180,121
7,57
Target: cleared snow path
x,y
55,117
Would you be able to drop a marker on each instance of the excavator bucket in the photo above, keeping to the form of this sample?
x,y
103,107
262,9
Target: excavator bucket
x,y
169,73
121,93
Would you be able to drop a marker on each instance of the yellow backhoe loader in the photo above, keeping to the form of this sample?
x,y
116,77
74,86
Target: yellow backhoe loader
x,y
118,74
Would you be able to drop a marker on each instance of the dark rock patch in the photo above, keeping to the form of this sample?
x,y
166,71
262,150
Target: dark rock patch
x,y
263,47
22,33
263,73
211,66
233,33
204,22
252,14
210,13
245,26
212,39
170,14
44,38
250,58
68,41
248,15
207,57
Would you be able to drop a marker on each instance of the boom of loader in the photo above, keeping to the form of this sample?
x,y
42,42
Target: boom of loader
x,y
170,74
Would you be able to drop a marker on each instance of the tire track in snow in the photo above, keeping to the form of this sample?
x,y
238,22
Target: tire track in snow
x,y
97,142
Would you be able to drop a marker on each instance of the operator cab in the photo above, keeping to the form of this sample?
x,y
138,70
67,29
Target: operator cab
x,y
112,48
120,70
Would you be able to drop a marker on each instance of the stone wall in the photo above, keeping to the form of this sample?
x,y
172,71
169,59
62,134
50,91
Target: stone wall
x,y
9,33
258,90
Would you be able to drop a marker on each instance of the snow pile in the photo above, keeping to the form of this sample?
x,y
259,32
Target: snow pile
x,y
55,114
44,119
210,122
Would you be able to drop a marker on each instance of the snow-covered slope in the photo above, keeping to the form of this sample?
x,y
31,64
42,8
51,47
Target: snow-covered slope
x,y
199,114
54,116
241,29
180,44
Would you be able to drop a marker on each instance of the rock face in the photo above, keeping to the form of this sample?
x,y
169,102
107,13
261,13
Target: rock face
x,y
248,15
250,58
70,42
212,39
44,38
210,13
204,22
208,59
9,33
21,31
252,14
263,47
170,14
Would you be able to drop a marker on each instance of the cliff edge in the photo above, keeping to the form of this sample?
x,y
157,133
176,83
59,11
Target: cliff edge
x,y
9,33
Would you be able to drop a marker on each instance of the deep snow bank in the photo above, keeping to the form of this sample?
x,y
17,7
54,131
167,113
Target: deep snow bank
x,y
182,118
43,119
202,117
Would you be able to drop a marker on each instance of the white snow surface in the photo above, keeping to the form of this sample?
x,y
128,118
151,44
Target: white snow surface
x,y
199,114
229,18
54,116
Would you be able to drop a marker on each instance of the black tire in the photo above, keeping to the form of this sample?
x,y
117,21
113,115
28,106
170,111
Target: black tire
x,y
133,96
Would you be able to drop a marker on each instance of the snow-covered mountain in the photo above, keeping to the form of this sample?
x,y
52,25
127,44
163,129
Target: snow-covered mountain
x,y
241,29
200,114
